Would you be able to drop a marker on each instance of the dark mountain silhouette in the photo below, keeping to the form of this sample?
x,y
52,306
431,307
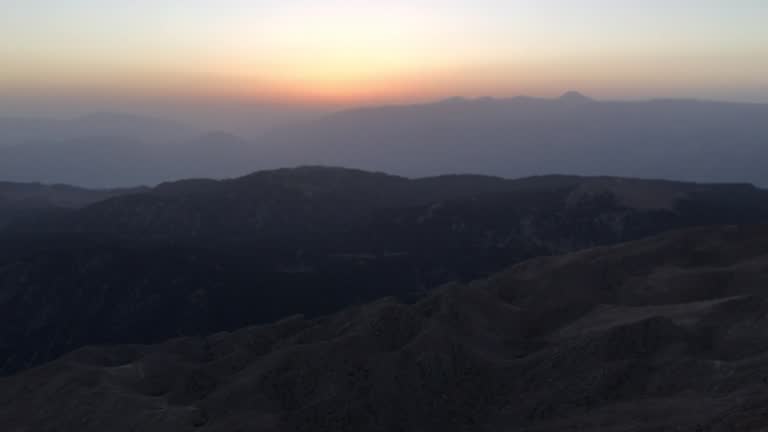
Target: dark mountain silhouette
x,y
198,256
333,200
667,333
575,97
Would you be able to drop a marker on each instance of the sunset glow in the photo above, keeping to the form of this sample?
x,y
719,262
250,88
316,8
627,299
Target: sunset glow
x,y
345,51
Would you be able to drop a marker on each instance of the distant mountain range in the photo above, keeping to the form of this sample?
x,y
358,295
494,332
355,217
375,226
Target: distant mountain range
x,y
23,130
667,333
199,256
686,140
108,150
674,139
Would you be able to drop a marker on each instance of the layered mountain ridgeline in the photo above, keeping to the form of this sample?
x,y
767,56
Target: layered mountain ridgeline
x,y
20,202
19,131
667,333
686,140
199,256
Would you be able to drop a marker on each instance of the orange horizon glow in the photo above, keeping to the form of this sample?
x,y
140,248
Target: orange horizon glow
x,y
345,52
332,86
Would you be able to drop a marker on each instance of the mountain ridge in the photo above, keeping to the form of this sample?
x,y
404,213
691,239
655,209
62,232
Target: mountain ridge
x,y
218,255
687,140
637,336
523,137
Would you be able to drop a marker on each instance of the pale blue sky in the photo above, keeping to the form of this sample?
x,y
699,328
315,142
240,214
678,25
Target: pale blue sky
x,y
370,50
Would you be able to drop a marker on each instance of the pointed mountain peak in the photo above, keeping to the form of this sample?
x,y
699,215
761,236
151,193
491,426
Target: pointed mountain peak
x,y
574,96
454,100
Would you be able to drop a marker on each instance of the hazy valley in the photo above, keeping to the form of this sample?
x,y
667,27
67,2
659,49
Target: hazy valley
x,y
685,140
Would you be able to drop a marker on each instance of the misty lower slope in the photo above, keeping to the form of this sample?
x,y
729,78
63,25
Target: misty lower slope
x,y
199,256
24,201
24,130
667,333
126,160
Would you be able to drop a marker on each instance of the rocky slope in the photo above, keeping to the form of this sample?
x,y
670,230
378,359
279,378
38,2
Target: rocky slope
x,y
662,334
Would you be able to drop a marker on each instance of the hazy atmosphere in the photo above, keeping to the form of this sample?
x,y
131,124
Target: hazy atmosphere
x,y
383,215
84,55
112,93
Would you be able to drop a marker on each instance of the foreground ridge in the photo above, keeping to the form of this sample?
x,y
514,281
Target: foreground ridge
x,y
652,335
201,256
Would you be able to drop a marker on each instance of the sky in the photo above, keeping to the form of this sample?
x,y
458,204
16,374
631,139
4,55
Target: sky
x,y
345,52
